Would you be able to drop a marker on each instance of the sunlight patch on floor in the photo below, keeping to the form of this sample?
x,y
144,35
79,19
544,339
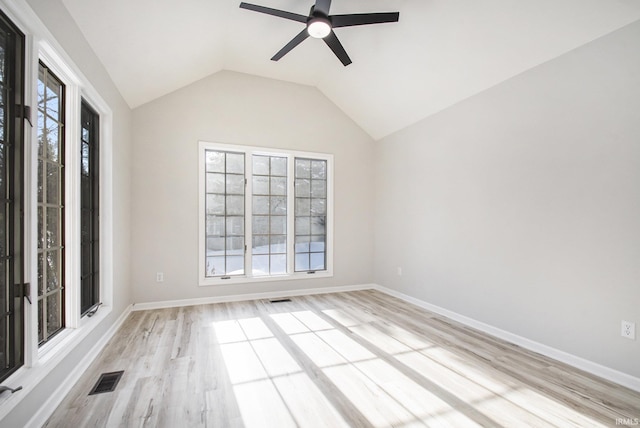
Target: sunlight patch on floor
x,y
261,405
314,410
289,324
255,328
229,331
312,320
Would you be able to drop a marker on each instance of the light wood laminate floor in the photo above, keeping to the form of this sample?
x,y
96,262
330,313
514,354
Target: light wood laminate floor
x,y
356,359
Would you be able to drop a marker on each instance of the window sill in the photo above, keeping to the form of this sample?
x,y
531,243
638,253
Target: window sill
x,y
241,279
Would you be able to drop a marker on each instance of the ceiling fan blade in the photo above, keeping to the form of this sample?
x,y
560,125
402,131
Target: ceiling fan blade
x,y
322,6
338,21
332,41
292,44
274,12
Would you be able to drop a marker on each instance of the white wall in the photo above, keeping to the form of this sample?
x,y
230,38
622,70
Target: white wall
x,y
235,108
65,31
520,207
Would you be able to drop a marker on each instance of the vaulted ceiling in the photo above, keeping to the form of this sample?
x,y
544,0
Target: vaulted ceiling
x,y
440,52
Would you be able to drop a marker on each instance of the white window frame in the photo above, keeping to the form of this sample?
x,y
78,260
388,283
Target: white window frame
x,y
39,361
249,151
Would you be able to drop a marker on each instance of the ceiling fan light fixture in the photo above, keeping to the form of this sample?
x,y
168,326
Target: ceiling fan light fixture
x,y
319,28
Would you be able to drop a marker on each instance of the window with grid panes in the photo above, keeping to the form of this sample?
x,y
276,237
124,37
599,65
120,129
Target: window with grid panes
x,y
311,214
51,251
269,222
89,210
264,213
225,243
12,200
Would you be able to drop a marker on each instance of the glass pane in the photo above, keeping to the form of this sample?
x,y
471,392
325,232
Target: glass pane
x,y
54,308
319,188
302,262
319,169
215,183
261,205
41,137
40,228
52,95
53,227
85,192
85,226
40,274
52,183
40,181
215,246
235,245
318,207
215,204
235,184
278,185
303,206
303,168
215,266
303,188
260,165
279,225
279,166
51,140
317,243
260,225
52,261
318,225
278,264
214,161
260,245
317,261
235,205
235,265
40,321
278,205
278,244
260,185
85,261
303,225
302,244
235,226
260,265
235,163
85,159
215,225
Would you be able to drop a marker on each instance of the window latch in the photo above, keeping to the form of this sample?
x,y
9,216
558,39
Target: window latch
x,y
24,112
26,291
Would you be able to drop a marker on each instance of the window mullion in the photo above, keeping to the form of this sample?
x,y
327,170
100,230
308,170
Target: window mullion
x,y
248,213
291,217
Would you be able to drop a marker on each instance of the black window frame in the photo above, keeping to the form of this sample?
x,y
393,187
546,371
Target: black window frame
x,y
89,210
12,340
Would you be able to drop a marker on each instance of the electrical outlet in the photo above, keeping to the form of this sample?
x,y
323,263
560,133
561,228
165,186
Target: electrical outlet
x,y
628,330
159,277
399,271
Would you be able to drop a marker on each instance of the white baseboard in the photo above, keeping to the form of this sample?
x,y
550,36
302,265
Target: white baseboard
x,y
604,372
46,410
244,297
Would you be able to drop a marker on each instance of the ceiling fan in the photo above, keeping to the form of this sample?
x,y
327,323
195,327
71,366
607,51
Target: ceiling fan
x,y
320,25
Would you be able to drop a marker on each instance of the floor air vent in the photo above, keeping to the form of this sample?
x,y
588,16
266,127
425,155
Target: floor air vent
x,y
107,382
279,301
